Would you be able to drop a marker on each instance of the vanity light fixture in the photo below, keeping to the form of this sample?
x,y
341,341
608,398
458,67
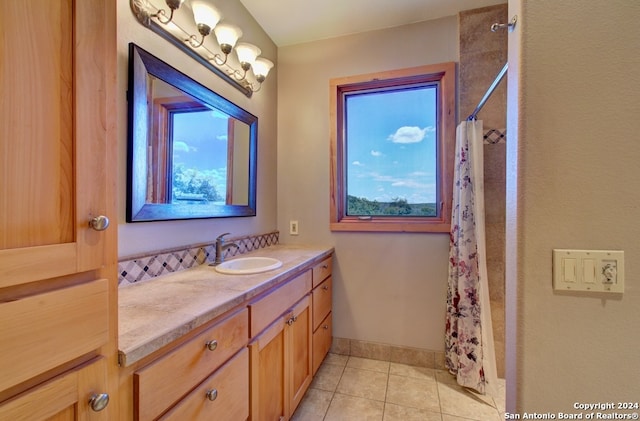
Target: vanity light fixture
x,y
173,6
207,19
227,36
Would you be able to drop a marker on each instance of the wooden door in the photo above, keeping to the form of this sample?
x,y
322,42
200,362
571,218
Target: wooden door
x,y
299,351
268,385
57,173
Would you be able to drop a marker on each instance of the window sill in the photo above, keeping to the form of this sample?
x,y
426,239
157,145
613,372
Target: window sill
x,y
386,225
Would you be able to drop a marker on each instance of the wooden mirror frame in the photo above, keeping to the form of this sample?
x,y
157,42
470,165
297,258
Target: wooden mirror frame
x,y
141,65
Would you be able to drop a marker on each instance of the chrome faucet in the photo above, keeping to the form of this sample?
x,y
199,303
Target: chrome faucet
x,y
221,247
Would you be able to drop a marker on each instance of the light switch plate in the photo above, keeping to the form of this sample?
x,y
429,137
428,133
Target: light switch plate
x,y
588,270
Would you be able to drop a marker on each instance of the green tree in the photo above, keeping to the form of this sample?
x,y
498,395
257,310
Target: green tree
x,y
399,206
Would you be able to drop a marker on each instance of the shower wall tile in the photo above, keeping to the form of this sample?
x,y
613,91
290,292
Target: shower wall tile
x,y
473,29
143,268
482,54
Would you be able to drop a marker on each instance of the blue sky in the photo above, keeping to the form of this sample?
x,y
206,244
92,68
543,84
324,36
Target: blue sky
x,y
391,145
200,142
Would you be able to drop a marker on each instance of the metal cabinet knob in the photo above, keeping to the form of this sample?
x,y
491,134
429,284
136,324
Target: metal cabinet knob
x,y
99,223
99,401
212,394
325,327
290,321
326,287
212,345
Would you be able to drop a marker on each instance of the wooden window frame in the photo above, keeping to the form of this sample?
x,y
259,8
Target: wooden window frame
x,y
444,75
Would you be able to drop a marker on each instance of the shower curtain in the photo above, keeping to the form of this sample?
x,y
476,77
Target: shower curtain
x,y
469,347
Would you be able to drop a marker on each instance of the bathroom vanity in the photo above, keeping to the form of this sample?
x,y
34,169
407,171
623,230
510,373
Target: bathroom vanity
x,y
198,344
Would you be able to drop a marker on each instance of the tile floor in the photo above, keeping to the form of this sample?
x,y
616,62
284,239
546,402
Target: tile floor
x,y
352,389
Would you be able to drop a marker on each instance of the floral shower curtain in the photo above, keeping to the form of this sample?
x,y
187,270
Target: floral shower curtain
x,y
469,347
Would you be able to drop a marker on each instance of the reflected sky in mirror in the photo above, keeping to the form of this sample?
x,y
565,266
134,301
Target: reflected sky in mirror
x,y
200,139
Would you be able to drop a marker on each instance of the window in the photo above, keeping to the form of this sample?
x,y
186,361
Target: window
x,y
392,140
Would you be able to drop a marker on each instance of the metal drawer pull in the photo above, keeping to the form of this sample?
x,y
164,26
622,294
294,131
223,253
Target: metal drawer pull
x,y
290,321
212,345
212,394
99,223
326,287
99,401
326,327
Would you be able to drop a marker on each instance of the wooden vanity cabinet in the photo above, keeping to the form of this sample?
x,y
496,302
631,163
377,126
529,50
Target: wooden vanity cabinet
x,y
222,396
322,303
261,366
163,383
281,356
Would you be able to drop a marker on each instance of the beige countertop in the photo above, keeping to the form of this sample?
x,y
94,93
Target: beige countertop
x,y
155,313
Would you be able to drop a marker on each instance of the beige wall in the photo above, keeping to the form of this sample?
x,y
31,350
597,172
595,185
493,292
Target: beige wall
x,y
137,238
573,182
389,288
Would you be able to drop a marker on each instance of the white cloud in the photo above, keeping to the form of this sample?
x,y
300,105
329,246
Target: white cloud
x,y
180,146
410,134
376,153
357,164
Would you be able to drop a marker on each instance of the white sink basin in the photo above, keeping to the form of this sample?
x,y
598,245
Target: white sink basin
x,y
248,265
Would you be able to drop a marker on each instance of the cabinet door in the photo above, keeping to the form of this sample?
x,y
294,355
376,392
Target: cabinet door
x,y
75,395
55,80
268,385
299,351
57,172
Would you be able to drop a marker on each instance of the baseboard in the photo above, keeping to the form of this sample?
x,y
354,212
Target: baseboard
x,y
386,352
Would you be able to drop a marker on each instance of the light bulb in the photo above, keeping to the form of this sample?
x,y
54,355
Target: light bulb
x,y
205,15
227,36
247,54
261,68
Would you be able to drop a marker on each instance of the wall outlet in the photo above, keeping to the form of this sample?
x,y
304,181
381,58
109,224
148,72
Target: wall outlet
x,y
293,227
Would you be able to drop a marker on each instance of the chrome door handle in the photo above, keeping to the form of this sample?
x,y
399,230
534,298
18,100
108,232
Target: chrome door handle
x,y
212,345
99,223
99,401
212,394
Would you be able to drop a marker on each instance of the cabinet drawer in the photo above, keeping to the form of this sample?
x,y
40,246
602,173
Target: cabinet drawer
x,y
267,309
321,302
43,331
161,383
321,271
63,397
322,342
222,396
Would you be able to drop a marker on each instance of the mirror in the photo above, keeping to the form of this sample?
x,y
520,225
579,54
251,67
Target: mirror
x,y
191,153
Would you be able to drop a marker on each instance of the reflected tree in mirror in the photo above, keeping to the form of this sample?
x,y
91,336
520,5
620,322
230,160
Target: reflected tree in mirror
x,y
192,153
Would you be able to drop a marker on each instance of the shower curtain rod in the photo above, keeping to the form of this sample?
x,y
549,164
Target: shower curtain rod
x,y
486,96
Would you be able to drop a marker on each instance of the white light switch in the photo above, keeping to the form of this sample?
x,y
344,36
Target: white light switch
x,y
569,269
588,270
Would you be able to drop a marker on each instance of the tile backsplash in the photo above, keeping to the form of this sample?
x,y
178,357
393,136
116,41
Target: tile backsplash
x,y
146,267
